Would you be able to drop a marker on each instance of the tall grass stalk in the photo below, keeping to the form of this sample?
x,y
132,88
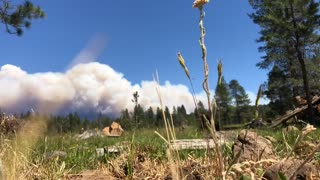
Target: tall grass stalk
x,y
131,158
219,67
205,85
259,94
185,68
183,65
172,154
212,106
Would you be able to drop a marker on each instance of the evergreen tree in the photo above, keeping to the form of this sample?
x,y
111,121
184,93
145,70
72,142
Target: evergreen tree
x,y
60,124
136,103
174,110
182,115
278,89
149,115
241,101
100,120
139,115
199,112
125,119
182,110
223,100
159,117
76,122
167,112
17,17
125,114
86,123
290,31
176,120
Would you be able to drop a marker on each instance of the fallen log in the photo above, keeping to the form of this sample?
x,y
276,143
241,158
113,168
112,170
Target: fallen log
x,y
180,144
315,100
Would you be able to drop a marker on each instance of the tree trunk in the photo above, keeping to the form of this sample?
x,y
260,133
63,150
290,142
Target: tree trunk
x,y
297,46
306,87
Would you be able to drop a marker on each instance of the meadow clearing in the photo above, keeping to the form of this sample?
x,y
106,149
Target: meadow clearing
x,y
144,155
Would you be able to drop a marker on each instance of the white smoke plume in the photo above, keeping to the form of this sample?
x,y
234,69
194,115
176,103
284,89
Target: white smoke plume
x,y
85,88
93,49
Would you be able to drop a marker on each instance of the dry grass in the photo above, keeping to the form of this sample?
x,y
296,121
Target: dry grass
x,y
19,165
16,151
147,168
191,168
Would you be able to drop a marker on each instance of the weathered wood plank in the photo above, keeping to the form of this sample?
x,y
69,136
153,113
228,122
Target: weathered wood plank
x,y
193,144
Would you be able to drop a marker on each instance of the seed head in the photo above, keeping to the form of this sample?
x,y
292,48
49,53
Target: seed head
x,y
219,72
183,65
199,3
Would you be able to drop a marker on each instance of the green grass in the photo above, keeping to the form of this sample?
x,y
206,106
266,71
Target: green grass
x,y
81,154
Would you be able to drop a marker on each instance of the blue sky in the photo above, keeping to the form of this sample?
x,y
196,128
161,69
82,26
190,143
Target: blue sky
x,y
142,36
137,38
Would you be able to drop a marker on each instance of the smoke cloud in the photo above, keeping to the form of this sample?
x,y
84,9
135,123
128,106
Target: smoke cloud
x,y
86,88
93,49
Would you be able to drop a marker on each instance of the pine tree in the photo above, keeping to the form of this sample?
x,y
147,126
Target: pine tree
x,y
149,114
177,121
125,119
17,17
223,99
125,114
289,29
167,112
201,111
86,123
279,91
241,101
159,117
139,115
76,122
100,120
182,110
136,103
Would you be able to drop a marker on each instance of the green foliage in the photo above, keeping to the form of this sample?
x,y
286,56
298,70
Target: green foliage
x,y
282,176
201,111
85,123
243,112
244,177
136,107
125,119
278,90
129,165
159,118
224,101
150,117
17,17
290,33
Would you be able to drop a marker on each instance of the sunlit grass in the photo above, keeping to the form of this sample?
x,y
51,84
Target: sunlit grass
x,y
81,154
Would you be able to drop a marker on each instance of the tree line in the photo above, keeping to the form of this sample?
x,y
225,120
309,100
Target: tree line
x,y
233,107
